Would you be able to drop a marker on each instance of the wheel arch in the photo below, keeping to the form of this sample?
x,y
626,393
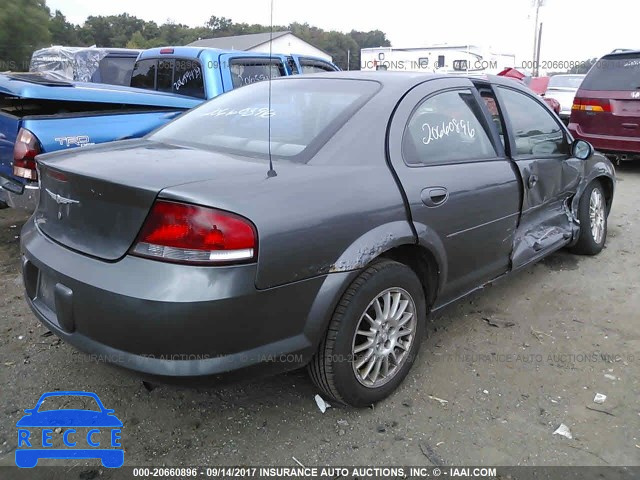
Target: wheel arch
x,y
423,263
424,255
608,186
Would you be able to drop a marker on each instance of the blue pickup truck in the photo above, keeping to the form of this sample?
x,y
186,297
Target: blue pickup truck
x,y
39,114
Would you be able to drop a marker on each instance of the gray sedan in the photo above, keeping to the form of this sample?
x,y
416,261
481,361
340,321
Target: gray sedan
x,y
308,222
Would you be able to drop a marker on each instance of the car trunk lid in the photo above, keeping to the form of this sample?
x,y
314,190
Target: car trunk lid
x,y
96,201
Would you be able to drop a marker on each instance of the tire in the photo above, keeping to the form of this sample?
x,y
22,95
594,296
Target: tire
x,y
333,368
589,242
3,205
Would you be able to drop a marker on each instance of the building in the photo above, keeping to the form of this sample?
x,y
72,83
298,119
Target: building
x,y
441,58
283,43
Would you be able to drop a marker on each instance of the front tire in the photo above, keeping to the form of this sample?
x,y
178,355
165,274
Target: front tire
x,y
592,214
373,337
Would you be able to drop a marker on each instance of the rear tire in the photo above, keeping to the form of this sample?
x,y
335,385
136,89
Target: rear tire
x,y
592,214
373,337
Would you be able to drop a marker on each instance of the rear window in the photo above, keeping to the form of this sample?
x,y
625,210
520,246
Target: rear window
x,y
180,76
144,74
315,66
114,70
616,72
245,71
304,114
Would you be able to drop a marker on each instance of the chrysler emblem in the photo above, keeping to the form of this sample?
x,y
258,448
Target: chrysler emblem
x,y
59,199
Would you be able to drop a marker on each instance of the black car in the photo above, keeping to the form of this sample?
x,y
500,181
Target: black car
x,y
306,221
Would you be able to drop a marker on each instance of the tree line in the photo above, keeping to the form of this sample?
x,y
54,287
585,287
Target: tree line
x,y
26,25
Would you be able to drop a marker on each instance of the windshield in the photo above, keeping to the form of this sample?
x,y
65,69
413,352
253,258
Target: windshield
x,y
565,81
616,72
304,114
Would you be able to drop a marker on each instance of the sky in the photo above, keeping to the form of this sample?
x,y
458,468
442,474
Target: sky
x,y
573,30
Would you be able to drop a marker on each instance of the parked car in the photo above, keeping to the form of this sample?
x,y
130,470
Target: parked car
x,y
606,109
85,64
308,222
563,88
536,84
39,114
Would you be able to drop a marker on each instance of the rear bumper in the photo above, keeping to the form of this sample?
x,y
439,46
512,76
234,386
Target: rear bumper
x,y
17,195
175,320
607,143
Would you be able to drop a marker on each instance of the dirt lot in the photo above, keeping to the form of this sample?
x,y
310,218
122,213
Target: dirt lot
x,y
576,333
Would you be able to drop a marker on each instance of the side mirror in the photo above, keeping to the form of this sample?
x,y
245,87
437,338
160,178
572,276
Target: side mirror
x,y
581,149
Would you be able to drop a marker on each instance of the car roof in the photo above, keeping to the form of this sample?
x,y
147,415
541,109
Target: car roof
x,y
407,79
622,52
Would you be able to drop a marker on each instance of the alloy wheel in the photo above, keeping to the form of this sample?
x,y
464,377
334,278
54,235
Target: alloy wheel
x,y
383,337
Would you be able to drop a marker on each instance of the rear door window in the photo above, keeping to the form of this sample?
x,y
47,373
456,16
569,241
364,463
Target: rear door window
x,y
245,71
616,72
447,127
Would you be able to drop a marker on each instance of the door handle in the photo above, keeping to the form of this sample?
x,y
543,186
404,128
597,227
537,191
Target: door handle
x,y
434,196
531,182
630,125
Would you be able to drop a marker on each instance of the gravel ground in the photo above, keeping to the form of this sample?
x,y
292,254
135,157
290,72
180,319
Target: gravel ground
x,y
477,395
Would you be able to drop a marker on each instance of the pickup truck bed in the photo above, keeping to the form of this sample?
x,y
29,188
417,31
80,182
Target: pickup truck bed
x,y
64,115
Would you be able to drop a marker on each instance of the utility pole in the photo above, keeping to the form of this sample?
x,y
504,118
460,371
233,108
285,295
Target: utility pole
x,y
537,65
348,59
537,4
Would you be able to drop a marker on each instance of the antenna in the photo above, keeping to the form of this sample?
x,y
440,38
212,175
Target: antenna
x,y
271,173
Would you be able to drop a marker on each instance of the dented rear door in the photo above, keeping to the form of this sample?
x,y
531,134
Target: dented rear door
x,y
462,190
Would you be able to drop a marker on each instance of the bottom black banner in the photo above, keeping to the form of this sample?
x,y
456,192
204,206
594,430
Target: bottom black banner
x,y
70,472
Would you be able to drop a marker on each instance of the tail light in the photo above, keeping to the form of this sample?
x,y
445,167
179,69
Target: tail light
x,y
25,150
591,105
184,233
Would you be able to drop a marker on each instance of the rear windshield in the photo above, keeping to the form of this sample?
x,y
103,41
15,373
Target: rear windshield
x,y
173,75
114,70
616,72
304,113
565,81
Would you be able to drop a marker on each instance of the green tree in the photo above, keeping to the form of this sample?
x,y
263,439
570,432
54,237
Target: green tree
x,y
583,67
23,29
62,32
137,41
219,24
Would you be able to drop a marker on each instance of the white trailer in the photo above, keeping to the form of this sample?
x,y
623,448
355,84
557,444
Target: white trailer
x,y
460,59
